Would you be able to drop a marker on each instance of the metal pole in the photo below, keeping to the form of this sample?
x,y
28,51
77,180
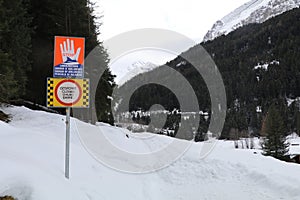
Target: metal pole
x,y
67,158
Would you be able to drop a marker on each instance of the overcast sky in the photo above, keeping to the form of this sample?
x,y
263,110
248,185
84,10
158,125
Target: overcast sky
x,y
192,18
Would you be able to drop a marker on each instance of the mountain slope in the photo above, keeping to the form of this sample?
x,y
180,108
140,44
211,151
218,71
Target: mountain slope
x,y
255,11
259,64
32,163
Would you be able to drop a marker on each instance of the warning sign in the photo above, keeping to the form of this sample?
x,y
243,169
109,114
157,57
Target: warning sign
x,y
68,92
68,57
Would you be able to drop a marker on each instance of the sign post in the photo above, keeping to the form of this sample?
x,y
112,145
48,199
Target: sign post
x,y
67,158
68,89
67,93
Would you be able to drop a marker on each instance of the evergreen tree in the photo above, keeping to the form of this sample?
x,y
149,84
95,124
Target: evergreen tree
x,y
15,48
8,84
237,56
69,18
274,144
103,97
298,123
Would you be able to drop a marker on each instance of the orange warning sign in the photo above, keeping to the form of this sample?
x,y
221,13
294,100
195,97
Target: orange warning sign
x,y
68,57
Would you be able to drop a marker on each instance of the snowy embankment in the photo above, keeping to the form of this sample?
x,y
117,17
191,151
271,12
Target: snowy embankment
x,y
32,167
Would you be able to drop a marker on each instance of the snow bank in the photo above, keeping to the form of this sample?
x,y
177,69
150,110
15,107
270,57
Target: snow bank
x,y
32,167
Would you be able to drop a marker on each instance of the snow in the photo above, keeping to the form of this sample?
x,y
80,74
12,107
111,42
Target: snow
x,y
294,145
294,148
32,166
265,66
124,74
290,101
258,109
255,11
181,63
241,13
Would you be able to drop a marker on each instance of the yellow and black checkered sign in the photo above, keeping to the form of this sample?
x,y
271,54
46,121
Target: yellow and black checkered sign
x,y
62,92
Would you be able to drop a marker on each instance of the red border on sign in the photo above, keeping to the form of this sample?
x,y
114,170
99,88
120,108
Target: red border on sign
x,y
68,104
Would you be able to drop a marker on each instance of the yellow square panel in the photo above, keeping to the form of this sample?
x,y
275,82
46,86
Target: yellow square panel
x,y
65,92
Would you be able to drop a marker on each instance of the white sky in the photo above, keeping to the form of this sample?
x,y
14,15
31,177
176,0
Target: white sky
x,y
192,18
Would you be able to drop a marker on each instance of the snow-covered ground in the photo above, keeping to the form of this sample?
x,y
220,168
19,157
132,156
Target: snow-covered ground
x,y
32,167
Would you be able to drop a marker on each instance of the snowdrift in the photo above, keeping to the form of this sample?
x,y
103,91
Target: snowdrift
x,y
32,167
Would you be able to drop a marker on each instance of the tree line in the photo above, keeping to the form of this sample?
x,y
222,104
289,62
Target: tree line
x,y
260,67
27,35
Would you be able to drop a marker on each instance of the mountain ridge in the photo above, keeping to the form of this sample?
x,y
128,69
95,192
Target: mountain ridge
x,y
255,11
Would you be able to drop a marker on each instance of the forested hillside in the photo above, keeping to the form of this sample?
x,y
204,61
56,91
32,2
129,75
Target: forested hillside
x,y
260,66
27,35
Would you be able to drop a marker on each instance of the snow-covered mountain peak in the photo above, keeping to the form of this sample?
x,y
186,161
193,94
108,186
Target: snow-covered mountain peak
x,y
255,11
133,70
